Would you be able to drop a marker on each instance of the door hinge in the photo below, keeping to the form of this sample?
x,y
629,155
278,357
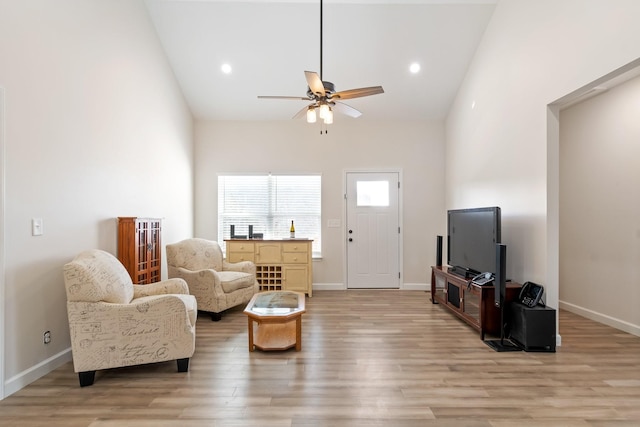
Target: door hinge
x,y
398,184
398,274
398,230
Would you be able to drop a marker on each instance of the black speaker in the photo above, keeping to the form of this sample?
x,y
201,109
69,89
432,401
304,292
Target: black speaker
x,y
438,251
532,328
501,272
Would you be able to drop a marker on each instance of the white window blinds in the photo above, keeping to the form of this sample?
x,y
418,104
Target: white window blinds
x,y
269,203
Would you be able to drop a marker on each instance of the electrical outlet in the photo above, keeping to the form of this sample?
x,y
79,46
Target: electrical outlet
x,y
47,337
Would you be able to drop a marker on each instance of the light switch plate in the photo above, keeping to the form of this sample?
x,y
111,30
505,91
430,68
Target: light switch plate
x,y
333,223
37,227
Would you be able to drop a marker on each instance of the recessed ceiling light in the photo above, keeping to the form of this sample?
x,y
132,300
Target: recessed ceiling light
x,y
226,68
414,68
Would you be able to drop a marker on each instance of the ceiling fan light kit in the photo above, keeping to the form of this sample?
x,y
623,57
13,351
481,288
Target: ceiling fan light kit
x,y
328,117
324,111
323,96
311,115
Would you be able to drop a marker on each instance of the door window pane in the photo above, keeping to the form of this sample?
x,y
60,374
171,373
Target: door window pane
x,y
372,193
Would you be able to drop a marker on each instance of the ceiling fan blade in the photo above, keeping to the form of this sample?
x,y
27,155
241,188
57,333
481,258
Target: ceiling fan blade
x,y
284,97
314,82
346,109
358,93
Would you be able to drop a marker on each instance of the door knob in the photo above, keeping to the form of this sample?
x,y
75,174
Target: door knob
x,y
350,239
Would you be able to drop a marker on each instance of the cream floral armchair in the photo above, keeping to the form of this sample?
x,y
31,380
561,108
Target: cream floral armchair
x,y
114,323
216,284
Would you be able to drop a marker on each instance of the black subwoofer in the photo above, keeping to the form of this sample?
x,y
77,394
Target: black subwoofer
x,y
532,328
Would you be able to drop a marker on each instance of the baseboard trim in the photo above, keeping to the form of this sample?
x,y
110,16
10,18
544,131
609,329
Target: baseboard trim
x,y
416,287
342,287
28,376
602,318
329,287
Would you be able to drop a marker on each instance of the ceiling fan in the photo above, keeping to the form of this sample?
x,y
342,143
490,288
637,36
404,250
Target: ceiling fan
x,y
324,99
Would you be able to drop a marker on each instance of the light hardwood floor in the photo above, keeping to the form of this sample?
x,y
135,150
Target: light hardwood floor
x,y
369,358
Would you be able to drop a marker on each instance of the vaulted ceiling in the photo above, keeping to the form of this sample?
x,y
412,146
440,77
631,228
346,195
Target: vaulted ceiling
x,y
269,45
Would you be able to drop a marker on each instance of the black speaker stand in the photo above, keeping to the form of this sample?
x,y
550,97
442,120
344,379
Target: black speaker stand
x,y
500,293
502,345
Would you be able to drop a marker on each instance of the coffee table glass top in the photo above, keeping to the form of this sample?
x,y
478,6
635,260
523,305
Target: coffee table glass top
x,y
276,302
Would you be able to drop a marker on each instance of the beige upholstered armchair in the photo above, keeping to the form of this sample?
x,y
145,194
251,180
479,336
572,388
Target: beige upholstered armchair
x,y
216,284
115,323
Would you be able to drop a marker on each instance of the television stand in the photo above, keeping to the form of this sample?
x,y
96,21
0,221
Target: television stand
x,y
470,302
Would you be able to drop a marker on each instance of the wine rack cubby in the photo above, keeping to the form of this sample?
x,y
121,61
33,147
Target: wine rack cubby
x,y
269,277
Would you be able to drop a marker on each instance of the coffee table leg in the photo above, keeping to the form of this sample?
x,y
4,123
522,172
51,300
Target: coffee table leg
x,y
250,333
299,333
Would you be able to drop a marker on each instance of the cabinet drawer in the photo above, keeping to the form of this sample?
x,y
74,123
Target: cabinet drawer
x,y
240,256
294,257
240,247
294,247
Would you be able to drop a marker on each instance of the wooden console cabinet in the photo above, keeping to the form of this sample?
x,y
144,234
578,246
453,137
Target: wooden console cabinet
x,y
470,302
140,249
280,264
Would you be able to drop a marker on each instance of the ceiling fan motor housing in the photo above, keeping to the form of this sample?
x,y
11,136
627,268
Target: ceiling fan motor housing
x,y
329,90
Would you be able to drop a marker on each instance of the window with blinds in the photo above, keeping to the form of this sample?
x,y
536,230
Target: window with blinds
x,y
269,203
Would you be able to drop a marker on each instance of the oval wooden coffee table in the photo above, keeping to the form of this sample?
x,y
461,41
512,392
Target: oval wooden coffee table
x,y
278,320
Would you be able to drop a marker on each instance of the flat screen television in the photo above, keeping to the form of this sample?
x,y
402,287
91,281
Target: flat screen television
x,y
472,235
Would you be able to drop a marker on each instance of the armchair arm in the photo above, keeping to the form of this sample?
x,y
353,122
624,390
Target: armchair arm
x,y
170,286
203,284
243,266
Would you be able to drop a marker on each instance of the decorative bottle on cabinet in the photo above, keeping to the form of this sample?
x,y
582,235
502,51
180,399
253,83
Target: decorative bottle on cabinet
x,y
292,231
140,248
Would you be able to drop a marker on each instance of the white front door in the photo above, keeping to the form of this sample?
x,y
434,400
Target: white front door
x,y
373,230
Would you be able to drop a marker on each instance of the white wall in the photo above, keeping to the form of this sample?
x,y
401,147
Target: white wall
x,y
415,148
532,53
95,128
600,207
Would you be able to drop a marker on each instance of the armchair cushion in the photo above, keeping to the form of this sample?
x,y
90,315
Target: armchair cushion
x,y
234,280
98,276
197,254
